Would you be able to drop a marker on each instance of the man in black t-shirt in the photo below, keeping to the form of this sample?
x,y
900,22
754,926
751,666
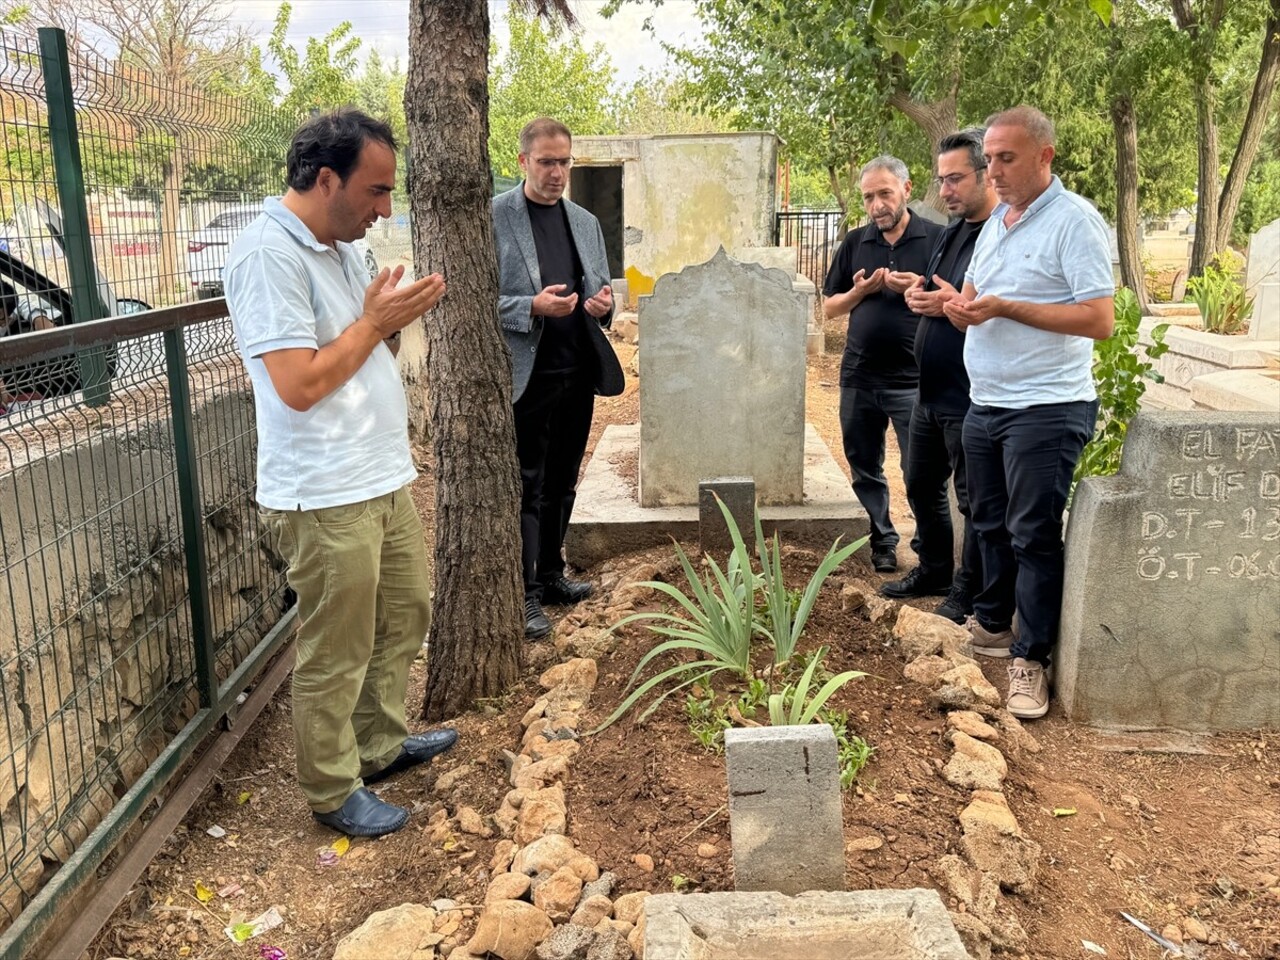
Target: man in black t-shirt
x,y
554,299
935,448
878,373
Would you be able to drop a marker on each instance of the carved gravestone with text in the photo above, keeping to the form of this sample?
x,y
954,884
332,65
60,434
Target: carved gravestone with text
x,y
1171,613
722,366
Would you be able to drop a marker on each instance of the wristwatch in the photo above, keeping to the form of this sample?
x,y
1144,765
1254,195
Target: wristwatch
x,y
394,338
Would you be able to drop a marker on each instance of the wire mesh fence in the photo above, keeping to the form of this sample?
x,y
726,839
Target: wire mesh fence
x,y
137,594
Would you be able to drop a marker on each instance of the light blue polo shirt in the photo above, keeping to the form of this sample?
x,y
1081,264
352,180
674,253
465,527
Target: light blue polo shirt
x,y
285,289
1057,252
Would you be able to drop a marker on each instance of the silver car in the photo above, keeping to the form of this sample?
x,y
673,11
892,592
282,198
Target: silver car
x,y
207,249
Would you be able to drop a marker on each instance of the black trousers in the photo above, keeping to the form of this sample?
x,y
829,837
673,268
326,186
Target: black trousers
x,y
865,416
935,454
1020,464
553,421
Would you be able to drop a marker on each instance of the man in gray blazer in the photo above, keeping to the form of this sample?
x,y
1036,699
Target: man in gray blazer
x,y
554,300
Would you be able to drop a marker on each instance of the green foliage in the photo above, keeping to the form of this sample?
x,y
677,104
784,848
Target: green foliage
x,y
852,752
717,626
800,707
661,104
1121,375
544,71
786,613
1218,292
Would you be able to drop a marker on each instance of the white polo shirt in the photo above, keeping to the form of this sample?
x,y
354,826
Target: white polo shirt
x,y
285,289
1057,252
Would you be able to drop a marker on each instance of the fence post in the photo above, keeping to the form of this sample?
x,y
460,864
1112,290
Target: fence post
x,y
184,449
64,137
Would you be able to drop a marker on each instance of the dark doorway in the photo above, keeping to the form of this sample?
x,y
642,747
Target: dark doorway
x,y
599,189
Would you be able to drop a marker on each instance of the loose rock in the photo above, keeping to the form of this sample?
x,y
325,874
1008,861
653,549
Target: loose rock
x,y
591,911
511,929
993,842
968,722
398,932
566,943
558,895
610,946
545,855
707,851
507,886
926,670
643,861
630,907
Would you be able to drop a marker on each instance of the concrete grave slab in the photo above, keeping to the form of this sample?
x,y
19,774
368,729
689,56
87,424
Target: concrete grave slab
x,y
785,820
608,519
1171,615
859,925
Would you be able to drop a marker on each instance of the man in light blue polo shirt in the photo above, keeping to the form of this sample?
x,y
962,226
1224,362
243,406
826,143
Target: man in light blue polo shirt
x,y
1037,294
318,341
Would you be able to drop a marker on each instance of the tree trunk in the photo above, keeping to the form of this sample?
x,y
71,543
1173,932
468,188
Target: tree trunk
x,y
1126,129
1255,123
1207,177
936,120
477,633
173,272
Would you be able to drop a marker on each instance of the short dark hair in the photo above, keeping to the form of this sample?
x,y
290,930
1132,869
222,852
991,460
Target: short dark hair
x,y
969,139
333,140
542,127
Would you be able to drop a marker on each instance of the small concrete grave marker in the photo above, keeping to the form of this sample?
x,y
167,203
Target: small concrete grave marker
x,y
739,495
785,819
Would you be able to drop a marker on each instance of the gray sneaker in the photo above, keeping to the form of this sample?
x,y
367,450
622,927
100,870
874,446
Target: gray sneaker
x,y
989,644
1028,690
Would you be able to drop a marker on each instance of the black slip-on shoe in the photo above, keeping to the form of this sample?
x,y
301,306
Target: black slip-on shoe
x,y
364,815
418,748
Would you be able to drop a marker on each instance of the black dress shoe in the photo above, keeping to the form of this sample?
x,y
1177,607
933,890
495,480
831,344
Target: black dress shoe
x,y
564,590
364,815
418,748
916,584
536,624
884,561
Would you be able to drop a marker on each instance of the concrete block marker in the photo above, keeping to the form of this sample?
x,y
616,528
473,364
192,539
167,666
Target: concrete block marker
x,y
1171,612
784,808
739,495
860,925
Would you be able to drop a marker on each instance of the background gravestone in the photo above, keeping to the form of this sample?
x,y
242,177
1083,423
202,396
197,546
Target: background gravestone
x,y
722,366
1262,281
1171,612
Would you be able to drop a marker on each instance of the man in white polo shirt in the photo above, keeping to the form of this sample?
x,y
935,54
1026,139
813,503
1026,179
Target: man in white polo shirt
x,y
318,341
1037,294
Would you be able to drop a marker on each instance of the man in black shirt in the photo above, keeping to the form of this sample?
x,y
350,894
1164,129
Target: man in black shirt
x,y
878,374
554,299
935,448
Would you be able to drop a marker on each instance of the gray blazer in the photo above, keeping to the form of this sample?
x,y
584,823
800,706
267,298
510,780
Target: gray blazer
x,y
519,281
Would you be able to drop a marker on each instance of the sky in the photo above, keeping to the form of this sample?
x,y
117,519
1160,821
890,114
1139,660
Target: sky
x,y
384,26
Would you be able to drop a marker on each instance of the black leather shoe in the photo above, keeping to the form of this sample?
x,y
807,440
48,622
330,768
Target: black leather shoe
x,y
564,590
916,584
536,624
884,561
364,815
418,748
957,606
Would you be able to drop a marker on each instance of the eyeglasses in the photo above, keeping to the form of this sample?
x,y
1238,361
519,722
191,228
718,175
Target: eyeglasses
x,y
954,180
550,163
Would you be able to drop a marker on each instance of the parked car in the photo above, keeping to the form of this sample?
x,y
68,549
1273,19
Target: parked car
x,y
207,249
29,301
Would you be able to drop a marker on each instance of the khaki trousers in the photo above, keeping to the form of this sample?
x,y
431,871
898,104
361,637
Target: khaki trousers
x,y
360,572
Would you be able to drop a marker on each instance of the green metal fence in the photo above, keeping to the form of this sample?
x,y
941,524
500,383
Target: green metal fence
x,y
138,597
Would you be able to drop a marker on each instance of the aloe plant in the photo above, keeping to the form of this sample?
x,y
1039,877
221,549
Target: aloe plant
x,y
803,707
